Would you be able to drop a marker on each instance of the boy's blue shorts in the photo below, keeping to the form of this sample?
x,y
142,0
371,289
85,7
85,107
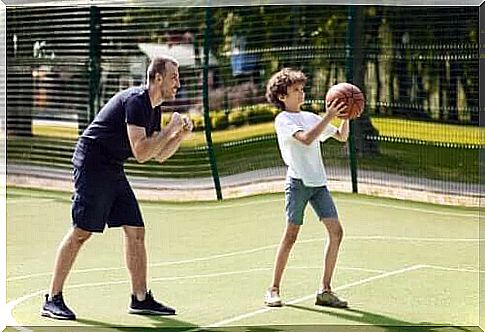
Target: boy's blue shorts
x,y
297,195
102,193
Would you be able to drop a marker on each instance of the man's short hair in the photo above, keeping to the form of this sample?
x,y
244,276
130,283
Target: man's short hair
x,y
278,85
157,65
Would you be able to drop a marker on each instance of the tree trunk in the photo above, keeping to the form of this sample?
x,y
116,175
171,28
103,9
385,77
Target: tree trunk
x,y
400,65
471,88
419,94
455,73
20,102
365,133
442,90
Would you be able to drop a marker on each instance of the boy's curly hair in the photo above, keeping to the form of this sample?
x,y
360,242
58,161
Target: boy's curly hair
x,y
278,85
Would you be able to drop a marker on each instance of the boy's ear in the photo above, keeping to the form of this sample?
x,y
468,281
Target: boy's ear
x,y
281,97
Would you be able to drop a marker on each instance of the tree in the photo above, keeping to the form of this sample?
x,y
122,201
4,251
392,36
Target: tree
x,y
364,131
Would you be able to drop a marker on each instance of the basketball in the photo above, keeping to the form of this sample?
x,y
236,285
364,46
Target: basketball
x,y
351,95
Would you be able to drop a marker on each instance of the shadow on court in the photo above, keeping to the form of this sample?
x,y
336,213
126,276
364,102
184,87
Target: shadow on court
x,y
157,323
382,322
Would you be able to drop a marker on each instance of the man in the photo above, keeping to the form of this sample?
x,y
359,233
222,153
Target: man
x,y
129,125
299,134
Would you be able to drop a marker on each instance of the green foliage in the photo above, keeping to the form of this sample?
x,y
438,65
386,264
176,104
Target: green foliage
x,y
261,113
219,120
237,117
166,118
197,120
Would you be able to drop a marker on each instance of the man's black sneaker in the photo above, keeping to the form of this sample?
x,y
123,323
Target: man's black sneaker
x,y
56,308
149,306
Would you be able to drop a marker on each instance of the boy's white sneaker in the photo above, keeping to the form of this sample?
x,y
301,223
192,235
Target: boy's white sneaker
x,y
272,297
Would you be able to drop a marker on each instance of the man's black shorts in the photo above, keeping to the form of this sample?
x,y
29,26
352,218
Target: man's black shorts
x,y
102,194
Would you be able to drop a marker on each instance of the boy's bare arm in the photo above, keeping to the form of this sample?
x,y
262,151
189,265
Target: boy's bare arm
x,y
342,133
333,109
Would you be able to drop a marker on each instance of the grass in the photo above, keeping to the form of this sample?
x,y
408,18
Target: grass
x,y
389,127
213,260
440,163
429,131
257,148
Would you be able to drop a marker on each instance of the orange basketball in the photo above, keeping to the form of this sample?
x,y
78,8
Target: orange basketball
x,y
349,94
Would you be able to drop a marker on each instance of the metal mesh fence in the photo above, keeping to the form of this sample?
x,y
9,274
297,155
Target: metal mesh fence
x,y
417,66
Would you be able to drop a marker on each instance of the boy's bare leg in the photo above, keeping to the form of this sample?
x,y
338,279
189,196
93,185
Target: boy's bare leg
x,y
335,234
287,241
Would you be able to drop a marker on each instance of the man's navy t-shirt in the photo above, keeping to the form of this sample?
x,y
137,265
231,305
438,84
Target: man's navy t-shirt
x,y
108,131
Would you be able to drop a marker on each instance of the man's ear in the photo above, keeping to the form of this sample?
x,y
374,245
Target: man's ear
x,y
158,77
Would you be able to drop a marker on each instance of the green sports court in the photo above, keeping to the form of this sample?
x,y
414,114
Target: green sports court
x,y
401,264
407,183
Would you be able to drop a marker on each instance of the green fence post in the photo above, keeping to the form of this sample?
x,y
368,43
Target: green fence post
x,y
349,56
94,63
205,96
481,163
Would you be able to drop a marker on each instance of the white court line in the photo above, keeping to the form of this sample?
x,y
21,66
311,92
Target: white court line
x,y
457,214
416,239
249,251
383,274
338,200
337,267
29,200
212,206
352,284
185,261
452,269
12,304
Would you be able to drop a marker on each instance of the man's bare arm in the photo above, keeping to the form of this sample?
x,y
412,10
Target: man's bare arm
x,y
144,148
169,149
172,146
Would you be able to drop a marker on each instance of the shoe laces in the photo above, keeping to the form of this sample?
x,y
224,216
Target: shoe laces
x,y
149,297
59,301
274,291
334,296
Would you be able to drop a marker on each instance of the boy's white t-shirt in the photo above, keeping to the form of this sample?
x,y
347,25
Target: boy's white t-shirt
x,y
304,161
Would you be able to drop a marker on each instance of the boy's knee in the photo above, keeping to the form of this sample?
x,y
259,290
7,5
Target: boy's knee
x,y
291,233
291,238
334,228
339,234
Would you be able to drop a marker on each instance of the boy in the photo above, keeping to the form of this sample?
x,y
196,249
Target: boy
x,y
298,135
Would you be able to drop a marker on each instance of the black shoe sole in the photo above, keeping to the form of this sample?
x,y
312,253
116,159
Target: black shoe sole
x,y
331,305
49,314
150,312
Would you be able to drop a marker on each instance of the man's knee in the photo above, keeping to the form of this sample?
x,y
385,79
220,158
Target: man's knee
x,y
79,236
135,235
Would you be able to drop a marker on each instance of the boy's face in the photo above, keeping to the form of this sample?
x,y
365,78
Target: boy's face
x,y
294,98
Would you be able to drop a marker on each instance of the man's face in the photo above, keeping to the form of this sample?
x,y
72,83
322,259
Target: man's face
x,y
294,98
169,83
